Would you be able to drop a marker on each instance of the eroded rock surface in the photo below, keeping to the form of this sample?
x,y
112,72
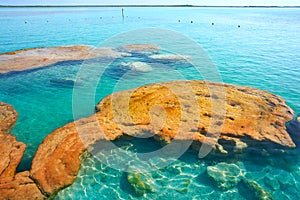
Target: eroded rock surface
x,y
11,153
57,160
8,117
20,187
39,57
252,118
13,186
11,150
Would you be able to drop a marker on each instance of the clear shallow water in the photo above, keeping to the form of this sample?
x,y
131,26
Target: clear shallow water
x,y
264,53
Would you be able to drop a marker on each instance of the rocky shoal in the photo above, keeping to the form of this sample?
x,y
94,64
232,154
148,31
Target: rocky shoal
x,y
13,185
227,118
33,58
253,118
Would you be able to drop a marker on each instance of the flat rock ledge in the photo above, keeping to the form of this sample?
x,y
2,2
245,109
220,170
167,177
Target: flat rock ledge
x,y
33,58
12,185
230,119
253,118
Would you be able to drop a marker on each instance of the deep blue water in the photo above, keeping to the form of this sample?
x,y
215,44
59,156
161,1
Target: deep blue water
x,y
263,52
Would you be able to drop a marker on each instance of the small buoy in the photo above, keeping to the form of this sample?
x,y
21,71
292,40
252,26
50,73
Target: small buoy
x,y
47,21
25,22
192,22
212,23
239,26
179,20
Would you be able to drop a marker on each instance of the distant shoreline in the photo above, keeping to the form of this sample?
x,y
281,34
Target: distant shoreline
x,y
103,6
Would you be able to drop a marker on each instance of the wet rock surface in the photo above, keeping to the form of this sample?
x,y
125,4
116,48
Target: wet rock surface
x,y
33,58
253,117
8,117
13,185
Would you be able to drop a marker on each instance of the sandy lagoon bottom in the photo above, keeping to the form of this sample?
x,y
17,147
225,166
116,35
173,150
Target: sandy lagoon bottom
x,y
189,177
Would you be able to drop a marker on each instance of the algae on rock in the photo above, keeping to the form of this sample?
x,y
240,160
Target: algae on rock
x,y
258,190
141,183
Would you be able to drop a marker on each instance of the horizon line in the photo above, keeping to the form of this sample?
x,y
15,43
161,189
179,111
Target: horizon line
x,y
146,5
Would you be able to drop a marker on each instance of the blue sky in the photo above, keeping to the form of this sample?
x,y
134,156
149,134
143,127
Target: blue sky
x,y
137,2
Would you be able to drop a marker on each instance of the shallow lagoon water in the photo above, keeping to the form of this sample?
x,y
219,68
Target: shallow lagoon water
x,y
262,53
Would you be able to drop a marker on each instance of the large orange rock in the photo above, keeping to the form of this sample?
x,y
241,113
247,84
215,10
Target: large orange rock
x,y
11,153
240,114
57,160
8,117
13,186
203,112
20,187
11,150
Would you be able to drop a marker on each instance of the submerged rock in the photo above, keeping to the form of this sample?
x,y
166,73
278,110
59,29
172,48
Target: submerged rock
x,y
63,82
141,183
33,58
140,48
225,175
169,57
272,182
137,66
258,190
182,185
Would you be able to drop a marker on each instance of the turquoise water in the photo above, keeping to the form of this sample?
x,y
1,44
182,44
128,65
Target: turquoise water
x,y
263,52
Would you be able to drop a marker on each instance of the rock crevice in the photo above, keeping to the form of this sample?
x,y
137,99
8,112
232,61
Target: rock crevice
x,y
17,186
